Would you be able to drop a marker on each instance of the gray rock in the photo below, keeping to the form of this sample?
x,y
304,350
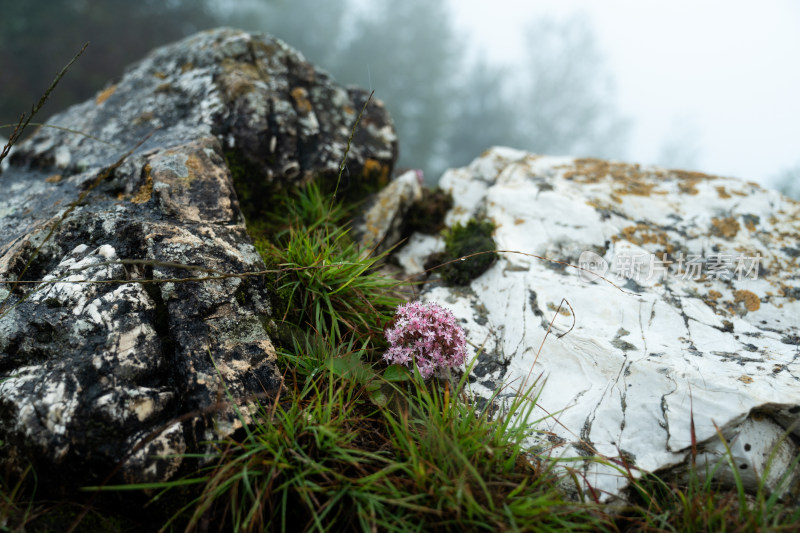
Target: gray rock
x,y
98,370
698,334
379,227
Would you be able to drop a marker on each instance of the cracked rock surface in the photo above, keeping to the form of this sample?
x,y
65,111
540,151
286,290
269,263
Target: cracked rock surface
x,y
702,321
98,369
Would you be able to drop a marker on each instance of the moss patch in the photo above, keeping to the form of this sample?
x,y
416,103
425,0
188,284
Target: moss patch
x,y
465,240
427,215
354,188
250,184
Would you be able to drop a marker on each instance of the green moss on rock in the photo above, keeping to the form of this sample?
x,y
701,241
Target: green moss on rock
x,y
250,184
427,215
465,240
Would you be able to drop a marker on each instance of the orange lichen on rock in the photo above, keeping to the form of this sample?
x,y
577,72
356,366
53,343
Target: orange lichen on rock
x,y
238,79
725,227
105,94
589,170
563,311
687,180
375,172
598,204
722,192
628,179
146,190
637,188
197,167
300,96
712,298
641,234
788,291
749,299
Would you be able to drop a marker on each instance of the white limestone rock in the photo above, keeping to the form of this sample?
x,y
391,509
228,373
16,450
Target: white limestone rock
x,y
699,317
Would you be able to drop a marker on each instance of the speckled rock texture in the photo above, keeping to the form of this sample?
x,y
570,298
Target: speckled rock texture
x,y
702,321
380,225
98,370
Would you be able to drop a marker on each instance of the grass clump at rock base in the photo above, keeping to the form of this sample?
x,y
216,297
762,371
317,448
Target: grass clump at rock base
x,y
327,458
325,280
700,502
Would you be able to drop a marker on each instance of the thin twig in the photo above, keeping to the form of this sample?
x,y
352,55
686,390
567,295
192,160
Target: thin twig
x,y
62,128
347,149
23,122
105,173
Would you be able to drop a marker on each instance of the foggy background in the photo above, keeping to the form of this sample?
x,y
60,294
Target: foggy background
x,y
700,85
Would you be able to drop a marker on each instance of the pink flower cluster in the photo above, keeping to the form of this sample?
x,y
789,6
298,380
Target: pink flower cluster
x,y
427,334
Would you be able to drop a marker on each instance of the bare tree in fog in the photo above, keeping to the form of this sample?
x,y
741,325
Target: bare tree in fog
x,y
313,27
485,114
37,38
567,97
407,52
788,182
680,148
561,100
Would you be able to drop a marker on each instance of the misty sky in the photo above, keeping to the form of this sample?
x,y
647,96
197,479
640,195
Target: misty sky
x,y
718,81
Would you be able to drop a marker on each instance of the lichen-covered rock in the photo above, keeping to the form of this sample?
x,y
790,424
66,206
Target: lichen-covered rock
x,y
107,356
379,227
700,328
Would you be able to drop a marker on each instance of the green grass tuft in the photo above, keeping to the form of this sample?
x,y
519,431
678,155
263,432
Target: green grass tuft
x,y
327,280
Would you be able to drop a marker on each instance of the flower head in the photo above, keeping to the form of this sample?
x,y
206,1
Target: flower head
x,y
428,335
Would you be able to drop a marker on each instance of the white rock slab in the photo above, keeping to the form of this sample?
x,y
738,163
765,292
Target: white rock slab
x,y
701,319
